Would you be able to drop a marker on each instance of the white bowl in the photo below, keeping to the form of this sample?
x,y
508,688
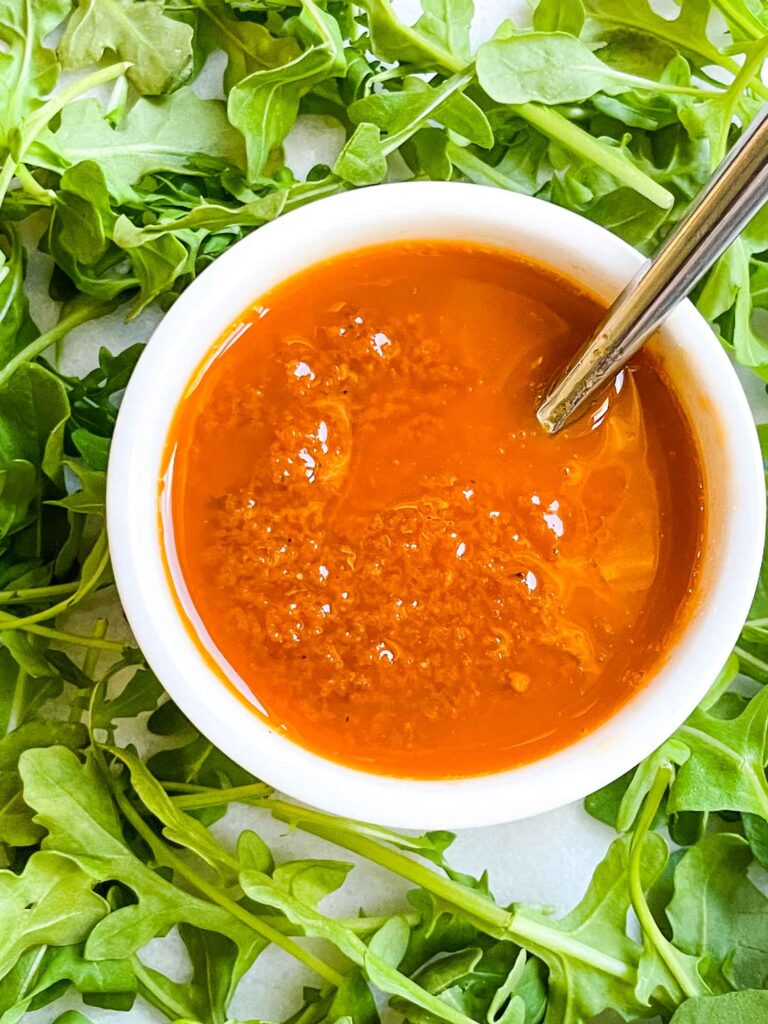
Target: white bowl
x,y
706,384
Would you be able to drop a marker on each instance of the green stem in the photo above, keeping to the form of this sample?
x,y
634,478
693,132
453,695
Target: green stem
x,y
165,855
751,659
743,19
197,798
552,124
92,657
30,130
44,196
477,170
752,66
30,595
479,909
358,925
114,646
83,590
82,314
678,970
308,192
557,127
442,94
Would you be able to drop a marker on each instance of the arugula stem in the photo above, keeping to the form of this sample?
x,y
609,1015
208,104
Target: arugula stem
x,y
29,131
197,798
83,590
114,646
80,315
750,659
552,124
743,19
44,196
165,855
444,93
359,925
688,984
557,127
29,595
481,910
471,165
92,657
732,96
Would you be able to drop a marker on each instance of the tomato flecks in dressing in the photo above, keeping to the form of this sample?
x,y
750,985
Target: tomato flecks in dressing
x,y
379,539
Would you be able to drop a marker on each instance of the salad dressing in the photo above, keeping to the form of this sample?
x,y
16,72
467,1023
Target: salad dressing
x,y
408,574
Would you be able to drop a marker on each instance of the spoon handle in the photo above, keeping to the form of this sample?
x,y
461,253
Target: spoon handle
x,y
734,194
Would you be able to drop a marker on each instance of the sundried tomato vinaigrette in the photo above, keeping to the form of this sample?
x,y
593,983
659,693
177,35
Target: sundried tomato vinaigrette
x,y
380,541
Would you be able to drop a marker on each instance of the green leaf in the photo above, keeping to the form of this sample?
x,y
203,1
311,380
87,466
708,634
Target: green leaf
x,y
156,263
417,103
141,693
180,133
264,105
42,975
549,68
16,325
726,767
447,23
311,880
264,890
362,160
32,403
391,40
158,47
16,825
74,806
556,16
579,988
178,827
687,32
248,45
28,68
756,832
50,903
732,1008
718,914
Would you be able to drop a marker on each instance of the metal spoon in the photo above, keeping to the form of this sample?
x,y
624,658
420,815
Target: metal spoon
x,y
734,194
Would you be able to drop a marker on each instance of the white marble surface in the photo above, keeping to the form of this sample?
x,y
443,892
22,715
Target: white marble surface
x,y
546,860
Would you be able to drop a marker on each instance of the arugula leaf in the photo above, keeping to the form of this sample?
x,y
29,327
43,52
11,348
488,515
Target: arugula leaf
x,y
264,890
28,68
50,903
264,105
16,325
552,68
733,1008
554,16
183,133
16,825
416,103
448,23
74,806
158,47
719,915
362,160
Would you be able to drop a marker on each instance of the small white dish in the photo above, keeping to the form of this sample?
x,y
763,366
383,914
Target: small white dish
x,y
695,362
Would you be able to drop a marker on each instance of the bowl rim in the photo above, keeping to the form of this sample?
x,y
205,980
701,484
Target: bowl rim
x,y
213,302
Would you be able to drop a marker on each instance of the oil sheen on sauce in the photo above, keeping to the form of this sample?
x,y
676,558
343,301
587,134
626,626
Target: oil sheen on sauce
x,y
409,576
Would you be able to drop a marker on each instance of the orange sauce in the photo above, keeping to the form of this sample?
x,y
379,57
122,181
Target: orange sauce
x,y
408,574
